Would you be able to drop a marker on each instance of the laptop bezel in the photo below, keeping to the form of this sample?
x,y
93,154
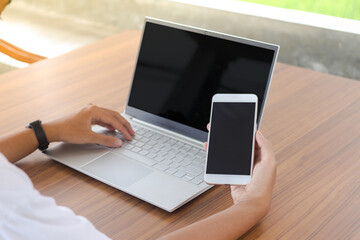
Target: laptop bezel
x,y
182,128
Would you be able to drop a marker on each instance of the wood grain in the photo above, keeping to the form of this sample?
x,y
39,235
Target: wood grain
x,y
312,119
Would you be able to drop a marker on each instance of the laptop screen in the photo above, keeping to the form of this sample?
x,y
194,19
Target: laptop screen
x,y
179,70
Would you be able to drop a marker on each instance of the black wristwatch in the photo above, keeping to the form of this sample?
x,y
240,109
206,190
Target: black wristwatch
x,y
40,134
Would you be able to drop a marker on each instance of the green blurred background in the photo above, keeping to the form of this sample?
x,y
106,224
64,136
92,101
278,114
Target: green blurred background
x,y
339,8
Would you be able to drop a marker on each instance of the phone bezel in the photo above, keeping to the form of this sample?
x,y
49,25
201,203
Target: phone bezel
x,y
216,179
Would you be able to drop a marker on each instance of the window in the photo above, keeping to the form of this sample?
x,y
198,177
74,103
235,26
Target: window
x,y
345,8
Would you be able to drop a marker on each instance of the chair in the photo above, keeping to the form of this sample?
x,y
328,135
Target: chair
x,y
18,53
13,51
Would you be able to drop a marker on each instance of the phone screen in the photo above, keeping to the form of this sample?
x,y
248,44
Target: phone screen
x,y
231,138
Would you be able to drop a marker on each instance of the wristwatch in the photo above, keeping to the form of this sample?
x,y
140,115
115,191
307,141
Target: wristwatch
x,y
40,134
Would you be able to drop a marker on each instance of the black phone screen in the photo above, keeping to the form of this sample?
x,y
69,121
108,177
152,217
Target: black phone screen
x,y
231,138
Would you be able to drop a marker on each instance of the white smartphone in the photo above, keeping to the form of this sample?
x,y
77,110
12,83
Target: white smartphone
x,y
231,140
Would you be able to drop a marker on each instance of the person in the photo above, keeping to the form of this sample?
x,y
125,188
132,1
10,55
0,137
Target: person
x,y
26,214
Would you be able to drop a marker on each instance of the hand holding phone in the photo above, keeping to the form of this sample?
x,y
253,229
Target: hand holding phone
x,y
231,139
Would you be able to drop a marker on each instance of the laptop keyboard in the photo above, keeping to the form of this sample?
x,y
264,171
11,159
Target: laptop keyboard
x,y
164,153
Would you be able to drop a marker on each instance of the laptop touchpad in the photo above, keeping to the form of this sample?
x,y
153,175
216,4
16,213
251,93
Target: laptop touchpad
x,y
116,170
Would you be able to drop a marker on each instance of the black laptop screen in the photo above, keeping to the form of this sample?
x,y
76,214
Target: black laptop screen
x,y
179,71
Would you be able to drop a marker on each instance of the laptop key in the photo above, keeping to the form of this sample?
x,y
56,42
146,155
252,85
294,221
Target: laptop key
x,y
152,143
178,159
147,147
156,136
196,166
137,137
199,160
190,171
167,162
159,145
197,181
187,177
159,159
171,142
179,174
151,155
144,139
193,151
185,162
128,146
144,152
186,148
201,154
147,161
141,132
148,134
166,148
161,167
182,154
162,153
175,165
171,170
174,151
179,145
136,149
154,150
170,155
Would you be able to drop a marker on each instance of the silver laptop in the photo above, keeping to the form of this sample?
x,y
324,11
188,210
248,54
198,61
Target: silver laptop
x,y
179,68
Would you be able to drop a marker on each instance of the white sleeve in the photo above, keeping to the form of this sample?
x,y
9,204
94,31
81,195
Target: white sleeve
x,y
26,214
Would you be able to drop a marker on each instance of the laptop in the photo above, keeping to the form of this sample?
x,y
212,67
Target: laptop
x,y
178,70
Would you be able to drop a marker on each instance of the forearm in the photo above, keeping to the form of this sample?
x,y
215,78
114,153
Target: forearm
x,y
228,224
75,128
20,144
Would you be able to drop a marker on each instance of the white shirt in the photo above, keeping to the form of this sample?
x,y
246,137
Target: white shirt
x,y
26,214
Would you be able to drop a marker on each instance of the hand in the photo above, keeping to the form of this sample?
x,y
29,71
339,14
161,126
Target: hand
x,y
76,128
263,178
264,175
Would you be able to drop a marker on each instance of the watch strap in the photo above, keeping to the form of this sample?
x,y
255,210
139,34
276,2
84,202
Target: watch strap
x,y
40,134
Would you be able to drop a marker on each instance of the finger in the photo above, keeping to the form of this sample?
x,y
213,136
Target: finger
x,y
265,146
106,126
125,123
105,140
261,141
205,145
103,117
208,126
257,146
121,119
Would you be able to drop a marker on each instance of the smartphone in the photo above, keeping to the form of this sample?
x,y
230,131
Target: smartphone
x,y
231,139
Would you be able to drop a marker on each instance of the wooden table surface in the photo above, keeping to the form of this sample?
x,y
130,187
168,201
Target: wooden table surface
x,y
312,119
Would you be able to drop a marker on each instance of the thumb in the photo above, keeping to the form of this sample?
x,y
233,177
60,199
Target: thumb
x,y
263,143
105,140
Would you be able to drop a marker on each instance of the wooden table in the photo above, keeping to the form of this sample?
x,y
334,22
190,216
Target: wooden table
x,y
312,119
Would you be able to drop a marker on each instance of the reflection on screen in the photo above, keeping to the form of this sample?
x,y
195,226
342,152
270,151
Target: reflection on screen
x,y
231,139
179,71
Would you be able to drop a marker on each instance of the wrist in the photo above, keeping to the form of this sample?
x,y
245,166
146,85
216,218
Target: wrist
x,y
255,211
259,206
51,131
